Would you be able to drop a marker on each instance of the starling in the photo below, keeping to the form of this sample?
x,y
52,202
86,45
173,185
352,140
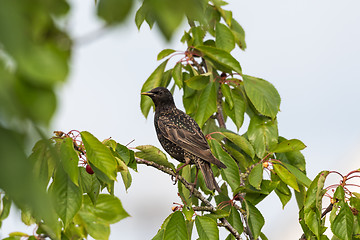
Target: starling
x,y
181,137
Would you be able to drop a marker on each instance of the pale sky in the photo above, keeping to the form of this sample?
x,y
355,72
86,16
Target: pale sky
x,y
308,49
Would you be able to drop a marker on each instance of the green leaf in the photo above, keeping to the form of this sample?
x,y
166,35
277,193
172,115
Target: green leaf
x,y
125,174
282,190
153,154
99,155
262,134
255,219
165,53
220,57
36,103
256,176
5,208
354,202
152,82
207,104
26,192
177,74
343,224
176,227
230,174
263,95
206,228
183,191
295,158
89,184
226,91
286,176
300,176
199,82
289,146
241,142
188,212
94,226
239,109
218,214
198,35
67,196
114,11
239,34
224,37
108,208
70,160
43,161
235,220
313,203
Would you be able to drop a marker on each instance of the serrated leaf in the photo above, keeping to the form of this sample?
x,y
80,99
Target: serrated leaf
x,y
99,155
295,158
206,104
262,134
220,57
255,219
108,208
241,142
152,82
67,196
343,224
206,228
177,74
225,90
176,228
153,154
263,95
164,53
95,227
286,176
230,174
224,38
235,220
289,146
70,160
256,176
125,174
199,82
89,184
239,34
300,176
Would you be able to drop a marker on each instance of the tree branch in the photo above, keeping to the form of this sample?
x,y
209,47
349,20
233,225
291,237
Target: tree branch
x,y
196,193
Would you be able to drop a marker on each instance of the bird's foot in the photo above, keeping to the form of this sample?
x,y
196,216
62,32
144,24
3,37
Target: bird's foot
x,y
175,179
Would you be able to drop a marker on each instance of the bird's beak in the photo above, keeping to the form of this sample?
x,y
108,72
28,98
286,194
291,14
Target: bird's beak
x,y
147,93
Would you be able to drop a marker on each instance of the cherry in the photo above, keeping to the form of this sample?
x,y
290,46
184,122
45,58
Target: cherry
x,y
89,169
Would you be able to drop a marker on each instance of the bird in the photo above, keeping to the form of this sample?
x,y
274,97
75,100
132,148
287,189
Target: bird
x,y
181,137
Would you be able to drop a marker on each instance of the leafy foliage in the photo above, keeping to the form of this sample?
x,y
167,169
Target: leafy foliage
x,y
70,178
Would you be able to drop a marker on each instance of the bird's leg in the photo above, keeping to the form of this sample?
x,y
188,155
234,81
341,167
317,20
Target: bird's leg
x,y
187,162
194,183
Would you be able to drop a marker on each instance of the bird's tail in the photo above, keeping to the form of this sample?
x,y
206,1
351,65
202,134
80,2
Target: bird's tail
x,y
208,174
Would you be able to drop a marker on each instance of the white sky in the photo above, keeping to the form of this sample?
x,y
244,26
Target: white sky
x,y
310,51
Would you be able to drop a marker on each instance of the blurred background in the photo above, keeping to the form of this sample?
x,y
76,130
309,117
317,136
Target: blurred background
x,y
309,50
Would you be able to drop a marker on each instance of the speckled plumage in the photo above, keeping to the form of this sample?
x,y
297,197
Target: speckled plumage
x,y
181,136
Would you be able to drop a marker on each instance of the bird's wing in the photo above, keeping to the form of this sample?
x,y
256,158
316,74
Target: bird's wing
x,y
193,142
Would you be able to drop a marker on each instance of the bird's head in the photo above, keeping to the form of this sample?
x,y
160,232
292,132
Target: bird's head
x,y
161,96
